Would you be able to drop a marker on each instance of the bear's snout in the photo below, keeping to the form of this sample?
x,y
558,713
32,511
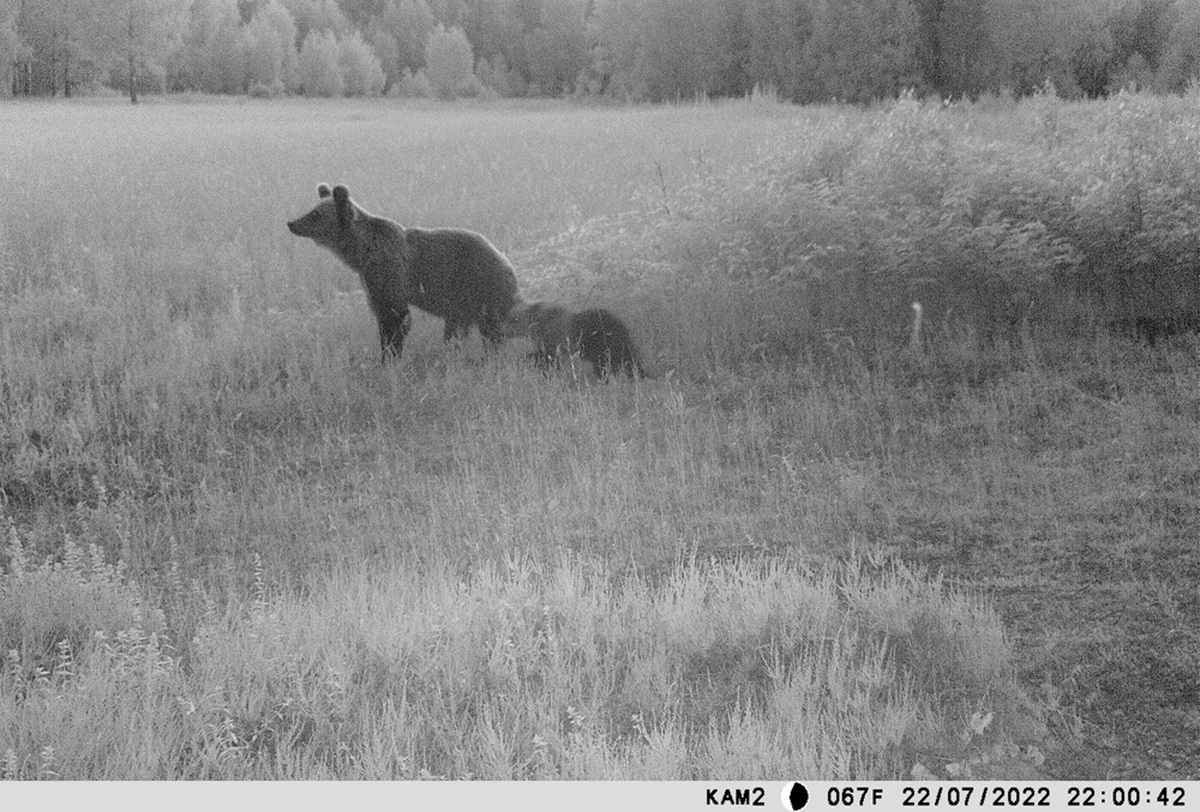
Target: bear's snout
x,y
293,226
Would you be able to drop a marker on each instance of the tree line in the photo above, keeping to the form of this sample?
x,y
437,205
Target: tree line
x,y
655,50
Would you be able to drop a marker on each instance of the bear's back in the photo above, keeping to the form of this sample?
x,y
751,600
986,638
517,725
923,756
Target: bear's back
x,y
447,261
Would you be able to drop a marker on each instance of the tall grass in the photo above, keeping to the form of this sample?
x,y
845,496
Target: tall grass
x,y
518,670
1047,216
456,567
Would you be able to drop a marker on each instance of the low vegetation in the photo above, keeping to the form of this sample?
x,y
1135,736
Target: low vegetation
x,y
236,547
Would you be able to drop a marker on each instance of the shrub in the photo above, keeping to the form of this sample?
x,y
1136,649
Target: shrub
x,y
269,40
361,68
450,63
258,90
320,65
502,80
53,610
413,87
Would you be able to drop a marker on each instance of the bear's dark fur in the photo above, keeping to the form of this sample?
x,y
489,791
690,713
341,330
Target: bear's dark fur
x,y
451,273
1154,329
598,335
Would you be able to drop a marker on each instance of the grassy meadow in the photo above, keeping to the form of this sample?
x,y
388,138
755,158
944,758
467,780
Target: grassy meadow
x,y
814,544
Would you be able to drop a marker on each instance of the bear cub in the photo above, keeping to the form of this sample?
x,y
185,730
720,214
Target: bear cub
x,y
598,335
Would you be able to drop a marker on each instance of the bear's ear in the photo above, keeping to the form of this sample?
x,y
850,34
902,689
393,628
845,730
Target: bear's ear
x,y
323,190
345,209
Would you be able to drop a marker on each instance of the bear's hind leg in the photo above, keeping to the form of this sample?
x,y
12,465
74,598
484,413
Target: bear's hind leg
x,y
491,328
544,358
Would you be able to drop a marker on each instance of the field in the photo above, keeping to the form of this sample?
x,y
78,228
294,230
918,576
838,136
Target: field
x,y
812,545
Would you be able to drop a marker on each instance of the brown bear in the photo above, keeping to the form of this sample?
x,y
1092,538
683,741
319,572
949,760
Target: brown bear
x,y
451,273
598,335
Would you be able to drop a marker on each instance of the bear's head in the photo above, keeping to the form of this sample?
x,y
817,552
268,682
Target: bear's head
x,y
330,218
519,318
541,321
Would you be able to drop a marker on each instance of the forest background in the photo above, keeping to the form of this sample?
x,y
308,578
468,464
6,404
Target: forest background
x,y
802,50
822,542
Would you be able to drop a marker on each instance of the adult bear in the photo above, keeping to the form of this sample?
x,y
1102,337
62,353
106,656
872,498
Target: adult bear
x,y
598,335
451,273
